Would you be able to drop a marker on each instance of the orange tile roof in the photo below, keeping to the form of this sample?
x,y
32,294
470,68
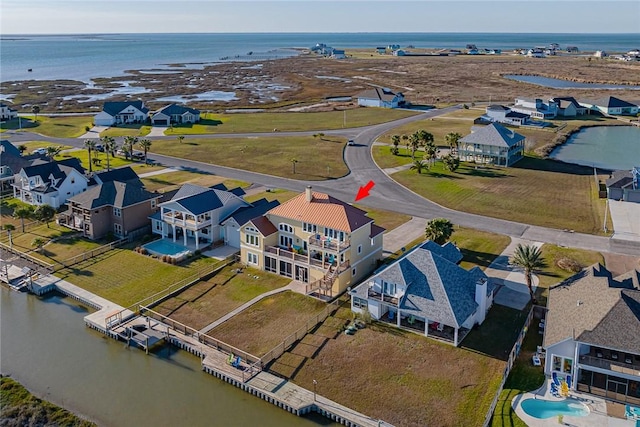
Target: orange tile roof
x,y
323,210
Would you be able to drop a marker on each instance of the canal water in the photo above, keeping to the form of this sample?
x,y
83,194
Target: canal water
x,y
566,84
605,147
45,345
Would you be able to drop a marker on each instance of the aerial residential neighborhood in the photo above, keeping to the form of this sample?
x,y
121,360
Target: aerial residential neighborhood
x,y
375,235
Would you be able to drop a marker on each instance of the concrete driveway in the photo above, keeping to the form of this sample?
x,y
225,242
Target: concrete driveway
x,y
94,133
626,220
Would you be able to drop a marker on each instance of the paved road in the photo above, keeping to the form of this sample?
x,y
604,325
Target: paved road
x,y
387,194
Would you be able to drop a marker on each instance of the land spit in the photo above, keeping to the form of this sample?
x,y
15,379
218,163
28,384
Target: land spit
x,y
120,323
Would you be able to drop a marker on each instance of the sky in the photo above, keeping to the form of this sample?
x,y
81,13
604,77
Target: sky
x,y
243,16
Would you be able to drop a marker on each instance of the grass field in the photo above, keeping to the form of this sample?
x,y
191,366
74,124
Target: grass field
x,y
431,383
59,126
209,300
172,180
274,194
21,408
266,122
83,155
317,159
479,248
534,191
261,327
127,130
143,276
32,145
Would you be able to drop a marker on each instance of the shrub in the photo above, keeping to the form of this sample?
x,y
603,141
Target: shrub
x,y
137,249
569,264
143,251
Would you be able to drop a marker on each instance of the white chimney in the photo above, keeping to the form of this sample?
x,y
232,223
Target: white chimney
x,y
308,193
481,299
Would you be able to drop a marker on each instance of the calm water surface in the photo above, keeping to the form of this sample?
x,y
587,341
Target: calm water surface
x,y
565,84
46,346
606,147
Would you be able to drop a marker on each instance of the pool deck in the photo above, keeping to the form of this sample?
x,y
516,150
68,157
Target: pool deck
x,y
597,418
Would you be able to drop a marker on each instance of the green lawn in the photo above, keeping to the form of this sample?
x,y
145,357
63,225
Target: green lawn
x,y
534,191
58,126
266,122
498,333
209,300
479,248
83,155
384,159
32,145
317,159
23,241
261,327
143,276
172,180
127,130
274,194
385,219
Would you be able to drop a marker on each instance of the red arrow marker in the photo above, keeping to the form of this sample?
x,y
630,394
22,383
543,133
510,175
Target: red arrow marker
x,y
364,191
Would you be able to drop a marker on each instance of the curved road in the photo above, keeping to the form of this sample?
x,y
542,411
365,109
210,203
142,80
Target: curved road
x,y
386,194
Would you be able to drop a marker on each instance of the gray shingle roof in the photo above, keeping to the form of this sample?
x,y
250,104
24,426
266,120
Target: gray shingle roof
x,y
112,193
611,102
113,108
619,179
583,307
198,200
8,148
175,109
448,250
493,134
125,174
258,208
383,94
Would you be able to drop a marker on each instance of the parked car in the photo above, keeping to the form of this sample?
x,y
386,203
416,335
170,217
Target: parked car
x,y
138,155
99,147
40,151
351,142
120,152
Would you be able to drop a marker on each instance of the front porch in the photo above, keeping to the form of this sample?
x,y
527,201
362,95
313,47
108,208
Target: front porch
x,y
186,232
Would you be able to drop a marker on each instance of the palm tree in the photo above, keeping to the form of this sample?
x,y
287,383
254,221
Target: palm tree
x,y
293,163
180,139
395,140
431,151
145,144
451,163
44,213
90,145
439,230
529,258
35,110
22,148
419,166
129,143
425,137
109,144
22,213
414,142
9,228
452,139
53,151
38,243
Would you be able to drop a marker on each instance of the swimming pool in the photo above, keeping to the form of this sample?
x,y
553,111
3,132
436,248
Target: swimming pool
x,y
166,247
540,408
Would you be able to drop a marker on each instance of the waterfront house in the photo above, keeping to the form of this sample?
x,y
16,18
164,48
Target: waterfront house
x,y
49,182
502,114
536,108
624,185
569,107
243,215
124,174
493,144
611,105
427,292
316,239
111,207
194,214
338,54
11,161
115,113
592,334
572,49
175,114
381,50
7,113
380,97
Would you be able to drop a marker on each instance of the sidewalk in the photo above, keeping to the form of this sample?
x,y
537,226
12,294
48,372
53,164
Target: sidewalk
x,y
94,133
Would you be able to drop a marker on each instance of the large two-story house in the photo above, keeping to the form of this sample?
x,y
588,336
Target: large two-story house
x,y
49,182
115,113
117,204
536,108
11,161
427,292
502,114
592,334
193,215
7,113
380,97
624,185
174,113
610,105
316,239
493,144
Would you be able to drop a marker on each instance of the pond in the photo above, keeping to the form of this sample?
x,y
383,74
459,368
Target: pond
x,y
605,147
566,84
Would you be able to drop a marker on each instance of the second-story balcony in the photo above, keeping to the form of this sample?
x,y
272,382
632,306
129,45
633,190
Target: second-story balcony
x,y
623,363
327,243
372,294
188,221
293,255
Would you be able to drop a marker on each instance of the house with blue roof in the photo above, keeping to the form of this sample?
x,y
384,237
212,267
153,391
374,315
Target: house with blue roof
x,y
115,113
193,216
175,114
427,292
492,144
242,216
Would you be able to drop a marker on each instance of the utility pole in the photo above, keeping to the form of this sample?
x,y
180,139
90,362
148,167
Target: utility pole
x,y
606,211
344,119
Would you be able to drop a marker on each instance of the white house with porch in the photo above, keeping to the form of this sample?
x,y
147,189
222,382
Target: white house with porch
x,y
193,215
115,113
427,292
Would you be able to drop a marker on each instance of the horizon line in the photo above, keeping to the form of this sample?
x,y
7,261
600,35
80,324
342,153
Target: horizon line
x,y
318,32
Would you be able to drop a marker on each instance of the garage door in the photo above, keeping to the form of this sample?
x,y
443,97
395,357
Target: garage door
x,y
232,235
159,122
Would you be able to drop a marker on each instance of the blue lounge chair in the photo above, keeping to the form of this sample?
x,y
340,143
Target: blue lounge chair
x,y
556,380
568,380
236,363
391,314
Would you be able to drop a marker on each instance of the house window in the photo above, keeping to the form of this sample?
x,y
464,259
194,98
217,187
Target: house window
x,y
117,229
252,240
252,258
359,302
388,288
373,241
353,272
153,203
270,264
309,228
567,365
285,227
359,249
117,212
158,225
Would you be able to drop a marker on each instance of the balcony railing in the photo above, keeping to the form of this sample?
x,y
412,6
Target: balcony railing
x,y
611,365
329,244
291,255
382,297
190,223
